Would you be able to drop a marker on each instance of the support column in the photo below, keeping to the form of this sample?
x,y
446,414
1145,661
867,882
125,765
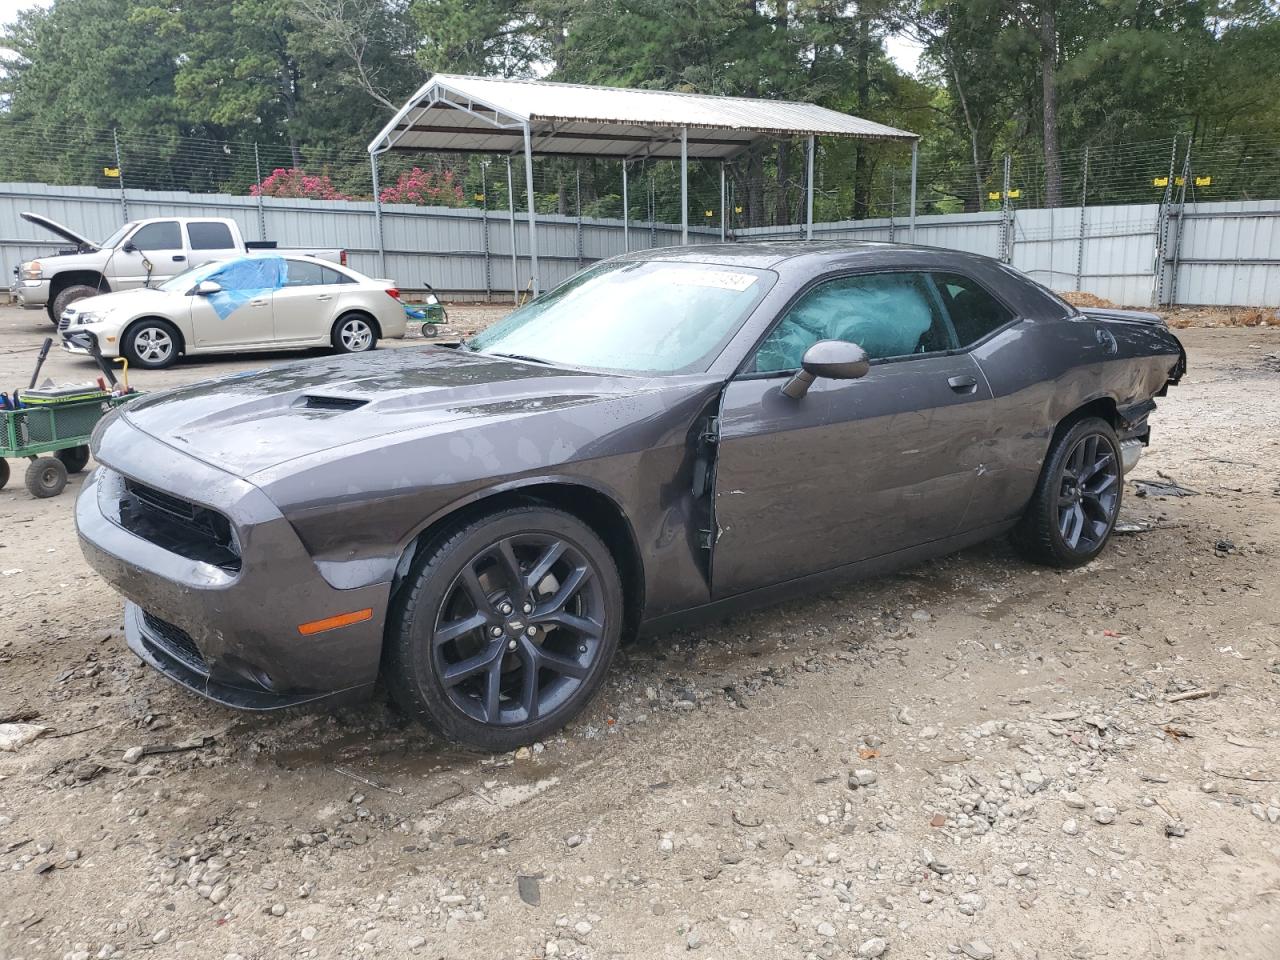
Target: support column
x,y
723,209
515,262
124,201
684,184
262,215
915,163
1084,200
626,212
808,191
377,215
533,214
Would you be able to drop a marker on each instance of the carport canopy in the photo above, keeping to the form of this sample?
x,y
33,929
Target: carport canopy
x,y
492,115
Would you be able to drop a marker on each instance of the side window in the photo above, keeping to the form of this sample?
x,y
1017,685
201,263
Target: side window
x,y
974,313
328,276
887,314
304,274
163,235
210,236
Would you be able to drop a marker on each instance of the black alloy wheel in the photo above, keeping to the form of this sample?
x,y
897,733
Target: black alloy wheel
x,y
1077,498
505,630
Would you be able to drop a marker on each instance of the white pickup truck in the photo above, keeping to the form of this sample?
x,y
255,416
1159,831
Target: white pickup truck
x,y
142,253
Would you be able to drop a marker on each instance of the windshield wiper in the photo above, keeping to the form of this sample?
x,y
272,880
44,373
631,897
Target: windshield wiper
x,y
524,357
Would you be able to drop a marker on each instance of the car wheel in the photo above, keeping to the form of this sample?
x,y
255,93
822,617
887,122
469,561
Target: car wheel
x,y
1077,498
46,477
504,629
74,459
354,333
68,296
152,344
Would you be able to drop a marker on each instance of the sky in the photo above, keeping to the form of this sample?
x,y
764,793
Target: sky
x,y
903,51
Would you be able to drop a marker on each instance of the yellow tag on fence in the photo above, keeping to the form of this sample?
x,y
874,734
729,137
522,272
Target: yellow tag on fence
x,y
111,171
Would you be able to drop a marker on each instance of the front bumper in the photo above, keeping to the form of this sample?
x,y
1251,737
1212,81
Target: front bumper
x,y
30,294
230,635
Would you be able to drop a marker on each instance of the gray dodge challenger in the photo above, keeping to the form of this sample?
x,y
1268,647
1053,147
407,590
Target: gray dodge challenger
x,y
668,435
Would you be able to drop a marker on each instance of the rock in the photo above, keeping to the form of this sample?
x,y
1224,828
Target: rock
x,y
977,950
278,910
582,928
861,778
416,943
133,755
1070,828
219,893
1033,781
1174,829
1074,801
921,616
666,844
826,930
529,890
1104,815
573,840
874,947
693,939
160,936
309,933
1022,869
15,736
928,733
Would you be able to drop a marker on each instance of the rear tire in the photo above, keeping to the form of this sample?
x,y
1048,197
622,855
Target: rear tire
x,y
68,296
504,628
152,344
74,459
354,333
1077,498
46,477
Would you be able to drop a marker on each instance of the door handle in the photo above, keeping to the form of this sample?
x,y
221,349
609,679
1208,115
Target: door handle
x,y
178,258
257,303
325,297
964,384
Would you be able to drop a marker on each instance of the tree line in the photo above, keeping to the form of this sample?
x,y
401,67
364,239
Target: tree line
x,y
312,80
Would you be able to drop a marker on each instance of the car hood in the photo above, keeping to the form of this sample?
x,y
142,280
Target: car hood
x,y
130,301
58,229
256,421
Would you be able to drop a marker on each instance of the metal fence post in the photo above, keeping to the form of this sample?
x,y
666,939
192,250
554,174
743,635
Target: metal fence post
x,y
893,201
262,213
626,212
1084,195
1177,236
1162,231
915,165
1006,216
577,173
484,226
723,208
377,215
124,201
515,263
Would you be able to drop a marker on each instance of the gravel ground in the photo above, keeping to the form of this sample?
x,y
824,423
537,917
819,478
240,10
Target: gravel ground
x,y
974,757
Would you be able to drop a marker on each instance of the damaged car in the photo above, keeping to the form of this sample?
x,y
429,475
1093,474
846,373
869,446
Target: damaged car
x,y
669,435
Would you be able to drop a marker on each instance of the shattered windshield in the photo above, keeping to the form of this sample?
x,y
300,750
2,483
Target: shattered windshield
x,y
644,316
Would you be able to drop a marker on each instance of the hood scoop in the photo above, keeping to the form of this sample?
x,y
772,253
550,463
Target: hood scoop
x,y
315,401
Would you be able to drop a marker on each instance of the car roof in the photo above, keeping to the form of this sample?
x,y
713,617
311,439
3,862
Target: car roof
x,y
808,254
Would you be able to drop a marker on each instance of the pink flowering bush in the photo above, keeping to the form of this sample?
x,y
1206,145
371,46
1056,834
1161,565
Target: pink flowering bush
x,y
426,187
293,182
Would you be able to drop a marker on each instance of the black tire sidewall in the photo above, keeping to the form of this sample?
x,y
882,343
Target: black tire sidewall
x,y
68,296
74,459
4,472
131,352
1067,555
411,668
35,477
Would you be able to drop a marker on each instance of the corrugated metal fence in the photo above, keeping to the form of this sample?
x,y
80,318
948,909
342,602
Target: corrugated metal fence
x,y
1225,253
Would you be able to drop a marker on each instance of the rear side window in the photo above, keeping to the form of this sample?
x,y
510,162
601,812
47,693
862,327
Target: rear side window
x,y
163,235
974,313
305,274
210,236
887,314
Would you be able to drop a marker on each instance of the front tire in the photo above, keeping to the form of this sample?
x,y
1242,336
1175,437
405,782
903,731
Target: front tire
x,y
46,477
68,296
152,344
1077,499
354,333
504,629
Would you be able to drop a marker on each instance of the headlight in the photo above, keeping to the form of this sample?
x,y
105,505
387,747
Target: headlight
x,y
84,318
31,270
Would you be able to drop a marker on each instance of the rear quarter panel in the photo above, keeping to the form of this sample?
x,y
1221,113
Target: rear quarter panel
x,y
1041,371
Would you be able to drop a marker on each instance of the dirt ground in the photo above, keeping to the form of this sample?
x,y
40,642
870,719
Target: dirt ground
x,y
974,757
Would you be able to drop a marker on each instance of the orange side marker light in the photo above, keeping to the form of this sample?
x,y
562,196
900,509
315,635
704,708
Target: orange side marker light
x,y
333,623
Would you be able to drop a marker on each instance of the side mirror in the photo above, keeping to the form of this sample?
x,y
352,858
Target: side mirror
x,y
206,288
833,359
129,247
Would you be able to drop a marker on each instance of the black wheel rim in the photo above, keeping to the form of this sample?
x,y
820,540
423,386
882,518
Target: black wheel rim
x,y
519,629
1089,493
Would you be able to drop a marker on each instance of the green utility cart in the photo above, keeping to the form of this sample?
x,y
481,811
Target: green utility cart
x,y
59,428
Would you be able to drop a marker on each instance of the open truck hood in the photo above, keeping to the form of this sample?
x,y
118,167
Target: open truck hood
x,y
263,419
54,227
